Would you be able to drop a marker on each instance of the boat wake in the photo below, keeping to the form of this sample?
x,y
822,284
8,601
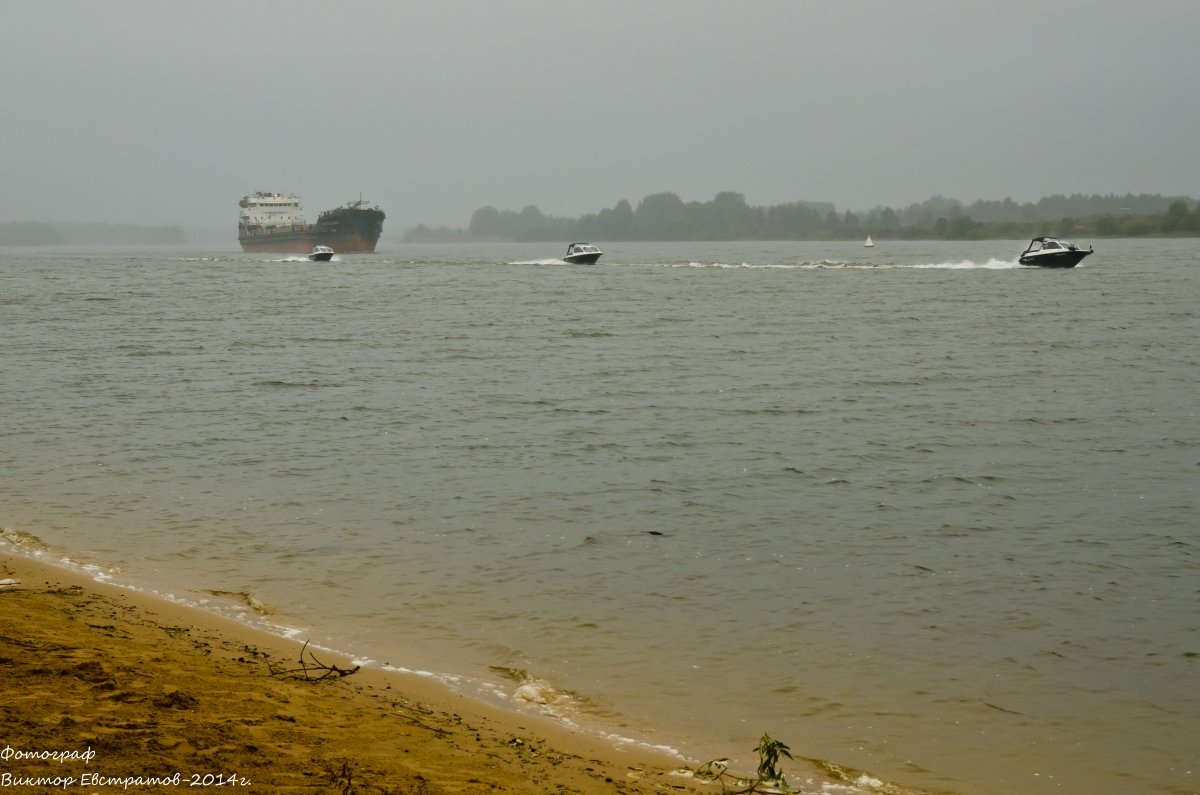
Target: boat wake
x,y
991,264
240,259
825,264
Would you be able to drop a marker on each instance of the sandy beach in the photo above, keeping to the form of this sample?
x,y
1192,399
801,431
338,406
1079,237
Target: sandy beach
x,y
105,689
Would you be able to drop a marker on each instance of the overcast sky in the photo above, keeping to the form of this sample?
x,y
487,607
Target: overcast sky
x,y
164,112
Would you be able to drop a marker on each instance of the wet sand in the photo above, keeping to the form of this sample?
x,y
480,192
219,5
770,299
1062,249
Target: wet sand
x,y
103,689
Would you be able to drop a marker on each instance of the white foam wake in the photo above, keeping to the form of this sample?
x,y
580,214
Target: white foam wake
x,y
966,264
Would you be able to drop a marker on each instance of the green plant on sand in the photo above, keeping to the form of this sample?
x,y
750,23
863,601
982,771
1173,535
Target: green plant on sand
x,y
768,779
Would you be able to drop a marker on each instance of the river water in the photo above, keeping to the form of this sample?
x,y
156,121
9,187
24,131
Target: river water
x,y
913,510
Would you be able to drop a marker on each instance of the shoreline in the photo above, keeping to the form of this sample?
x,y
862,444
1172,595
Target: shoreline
x,y
151,688
510,692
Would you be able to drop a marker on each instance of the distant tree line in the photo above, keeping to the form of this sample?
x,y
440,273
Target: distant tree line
x,y
36,233
664,216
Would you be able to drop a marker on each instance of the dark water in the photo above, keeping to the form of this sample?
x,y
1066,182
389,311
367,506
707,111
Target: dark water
x,y
913,510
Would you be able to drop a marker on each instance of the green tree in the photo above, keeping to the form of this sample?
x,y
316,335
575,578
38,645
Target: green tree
x,y
662,216
1176,218
888,219
731,218
961,227
530,224
791,221
1135,226
621,221
485,222
29,233
609,224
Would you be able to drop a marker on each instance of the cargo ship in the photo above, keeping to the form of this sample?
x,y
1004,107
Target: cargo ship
x,y
274,222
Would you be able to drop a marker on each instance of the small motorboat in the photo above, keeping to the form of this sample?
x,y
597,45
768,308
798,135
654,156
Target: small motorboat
x,y
870,243
1050,252
321,254
582,254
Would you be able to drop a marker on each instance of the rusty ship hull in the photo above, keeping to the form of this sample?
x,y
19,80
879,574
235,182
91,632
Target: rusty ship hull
x,y
300,240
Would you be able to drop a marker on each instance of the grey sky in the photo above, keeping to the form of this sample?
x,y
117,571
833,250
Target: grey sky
x,y
157,111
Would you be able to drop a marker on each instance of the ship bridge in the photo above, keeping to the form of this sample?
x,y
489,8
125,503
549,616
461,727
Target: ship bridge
x,y
270,210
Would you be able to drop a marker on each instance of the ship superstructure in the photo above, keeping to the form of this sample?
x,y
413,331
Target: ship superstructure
x,y
270,211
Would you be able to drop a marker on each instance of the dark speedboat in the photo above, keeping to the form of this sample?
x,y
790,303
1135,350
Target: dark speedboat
x,y
1050,252
582,254
321,254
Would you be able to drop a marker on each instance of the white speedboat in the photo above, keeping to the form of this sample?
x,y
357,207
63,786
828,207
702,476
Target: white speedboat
x,y
582,254
1050,252
870,243
321,254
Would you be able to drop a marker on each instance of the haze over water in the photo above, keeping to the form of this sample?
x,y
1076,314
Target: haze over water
x,y
913,510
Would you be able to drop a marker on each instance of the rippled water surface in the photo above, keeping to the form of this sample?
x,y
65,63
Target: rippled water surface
x,y
914,510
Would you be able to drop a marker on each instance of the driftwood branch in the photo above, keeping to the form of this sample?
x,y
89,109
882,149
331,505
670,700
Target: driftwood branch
x,y
310,670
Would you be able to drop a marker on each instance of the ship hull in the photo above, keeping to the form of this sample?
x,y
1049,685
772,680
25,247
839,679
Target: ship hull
x,y
301,241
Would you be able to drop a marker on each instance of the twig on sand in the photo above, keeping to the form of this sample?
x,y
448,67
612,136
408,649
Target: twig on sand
x,y
311,670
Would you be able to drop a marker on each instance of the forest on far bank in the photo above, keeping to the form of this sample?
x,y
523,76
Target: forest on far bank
x,y
666,217
38,233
